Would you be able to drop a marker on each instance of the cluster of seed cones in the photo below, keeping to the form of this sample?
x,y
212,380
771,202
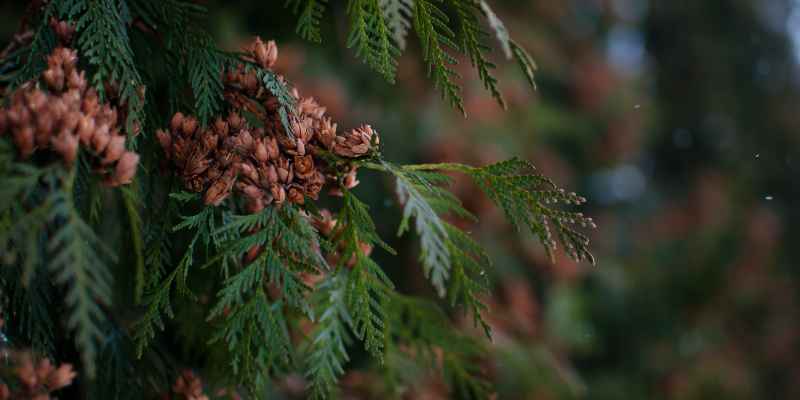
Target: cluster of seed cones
x,y
266,164
36,379
60,113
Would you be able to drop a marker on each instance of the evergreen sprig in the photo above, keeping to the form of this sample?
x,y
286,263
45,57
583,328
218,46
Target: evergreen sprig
x,y
257,339
423,328
368,286
511,49
29,61
328,352
310,16
158,300
79,260
104,41
379,30
472,37
398,18
46,230
286,245
436,36
371,37
525,196
455,264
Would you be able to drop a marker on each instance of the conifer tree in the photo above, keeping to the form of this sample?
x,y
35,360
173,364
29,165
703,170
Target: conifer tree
x,y
154,187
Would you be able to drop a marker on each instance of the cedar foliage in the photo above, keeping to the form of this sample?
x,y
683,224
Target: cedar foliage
x,y
64,279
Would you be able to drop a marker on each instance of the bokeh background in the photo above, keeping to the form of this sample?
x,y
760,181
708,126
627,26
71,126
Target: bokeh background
x,y
678,120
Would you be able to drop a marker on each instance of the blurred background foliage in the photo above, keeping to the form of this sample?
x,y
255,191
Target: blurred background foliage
x,y
676,119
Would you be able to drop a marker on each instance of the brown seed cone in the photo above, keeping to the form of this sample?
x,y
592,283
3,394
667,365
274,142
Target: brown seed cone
x,y
24,140
101,138
176,122
114,150
314,185
327,133
76,80
355,143
67,116
303,167
221,127
189,126
261,152
310,107
86,129
66,145
126,169
295,195
64,30
269,175
272,148
265,54
54,78
221,188
235,121
196,164
278,193
285,173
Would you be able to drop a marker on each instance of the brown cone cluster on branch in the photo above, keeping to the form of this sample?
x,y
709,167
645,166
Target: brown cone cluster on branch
x,y
36,378
61,113
266,164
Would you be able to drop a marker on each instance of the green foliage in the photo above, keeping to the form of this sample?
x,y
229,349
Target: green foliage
x,y
354,295
104,42
79,262
423,329
33,302
510,48
205,75
513,185
471,37
327,353
398,18
524,195
288,246
193,58
417,192
379,29
371,37
158,300
257,338
311,13
28,62
132,204
280,89
525,62
48,230
431,24
368,286
445,249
